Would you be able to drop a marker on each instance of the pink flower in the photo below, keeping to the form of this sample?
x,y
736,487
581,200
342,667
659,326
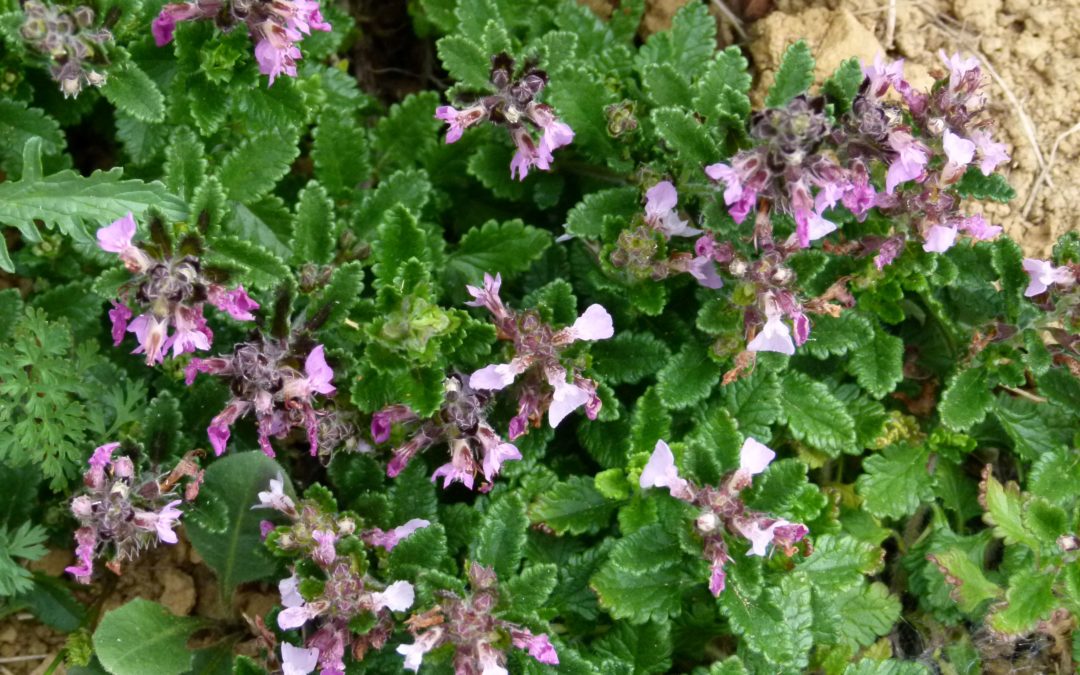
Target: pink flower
x,y
528,154
888,251
389,540
556,134
324,553
702,269
977,228
277,56
810,226
494,456
498,375
660,211
538,646
318,373
163,521
275,498
297,661
289,588
939,239
717,578
119,315
151,334
754,456
775,335
191,332
958,67
660,471
85,542
566,398
237,303
82,506
759,537
960,152
219,437
414,653
461,468
990,154
397,597
882,74
102,456
1043,275
859,197
594,324
116,237
910,162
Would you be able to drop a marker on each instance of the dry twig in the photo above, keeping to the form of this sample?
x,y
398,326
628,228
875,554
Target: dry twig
x,y
890,25
1044,175
732,18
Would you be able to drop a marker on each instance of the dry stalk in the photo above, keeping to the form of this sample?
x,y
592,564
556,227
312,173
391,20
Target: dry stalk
x,y
732,18
1044,175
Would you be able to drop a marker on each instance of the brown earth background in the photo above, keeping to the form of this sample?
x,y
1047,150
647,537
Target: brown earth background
x,y
1031,50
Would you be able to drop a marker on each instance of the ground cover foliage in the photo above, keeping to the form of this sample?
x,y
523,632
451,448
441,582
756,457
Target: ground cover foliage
x,y
585,364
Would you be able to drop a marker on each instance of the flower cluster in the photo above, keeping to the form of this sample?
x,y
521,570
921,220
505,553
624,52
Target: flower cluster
x,y
276,26
472,627
265,378
66,36
122,512
513,106
169,291
1043,275
462,424
336,590
545,384
722,510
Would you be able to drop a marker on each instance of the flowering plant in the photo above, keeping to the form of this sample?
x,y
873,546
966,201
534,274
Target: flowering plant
x,y
594,359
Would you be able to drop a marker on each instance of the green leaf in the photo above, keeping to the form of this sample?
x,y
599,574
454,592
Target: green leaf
x,y
161,428
836,336
1007,259
66,200
840,562
185,162
409,133
262,268
866,612
422,550
586,219
528,591
644,577
489,164
646,647
1061,387
842,86
1005,511
340,152
815,416
777,627
879,366
869,666
253,167
795,75
970,586
628,358
1035,428
966,399
1030,599
236,553
573,506
464,60
143,637
974,185
728,68
266,222
896,481
19,123
25,542
784,490
688,377
400,238
313,229
754,402
132,91
689,44
580,97
341,294
651,422
667,86
53,604
500,541
508,248
685,135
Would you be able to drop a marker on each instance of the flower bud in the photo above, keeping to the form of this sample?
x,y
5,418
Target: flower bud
x,y
707,522
123,467
82,506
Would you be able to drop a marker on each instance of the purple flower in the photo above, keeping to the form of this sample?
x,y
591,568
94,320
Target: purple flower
x,y
739,198
888,251
191,332
754,456
289,588
990,154
660,471
389,540
265,528
297,661
495,454
459,120
237,303
277,55
119,315
461,467
1043,275
958,67
556,134
85,542
538,646
702,269
82,506
660,211
397,597
859,197
882,74
275,498
219,436
910,163
594,324
498,375
939,239
759,536
775,335
116,237
528,154
960,152
166,520
382,422
414,653
102,457
810,226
